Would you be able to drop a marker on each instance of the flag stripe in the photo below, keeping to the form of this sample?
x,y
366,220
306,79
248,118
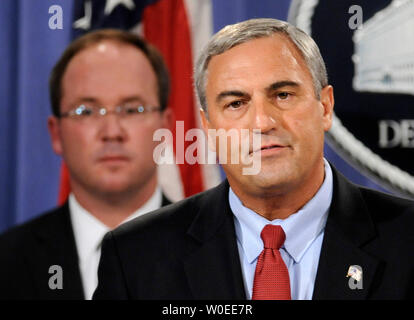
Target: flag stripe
x,y
200,15
64,188
166,26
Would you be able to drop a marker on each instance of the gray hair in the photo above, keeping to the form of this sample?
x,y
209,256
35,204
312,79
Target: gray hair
x,y
233,35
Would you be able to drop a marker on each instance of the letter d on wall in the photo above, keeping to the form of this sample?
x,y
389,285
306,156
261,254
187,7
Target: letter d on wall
x,y
56,280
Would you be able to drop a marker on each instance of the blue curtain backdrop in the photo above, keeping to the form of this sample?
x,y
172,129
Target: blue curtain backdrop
x,y
29,171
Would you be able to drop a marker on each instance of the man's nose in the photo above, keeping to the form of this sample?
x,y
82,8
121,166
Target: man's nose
x,y
264,115
111,128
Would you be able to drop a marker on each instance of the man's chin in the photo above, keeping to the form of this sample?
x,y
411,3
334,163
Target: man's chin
x,y
270,182
109,185
111,167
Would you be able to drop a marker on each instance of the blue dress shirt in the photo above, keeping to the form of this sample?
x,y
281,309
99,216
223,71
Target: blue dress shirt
x,y
304,234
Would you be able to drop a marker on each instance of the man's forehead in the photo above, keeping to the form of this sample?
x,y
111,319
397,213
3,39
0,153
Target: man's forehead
x,y
109,58
105,72
253,59
277,43
109,49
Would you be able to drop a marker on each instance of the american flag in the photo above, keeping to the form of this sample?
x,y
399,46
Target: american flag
x,y
179,29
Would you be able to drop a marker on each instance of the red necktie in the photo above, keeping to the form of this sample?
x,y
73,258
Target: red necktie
x,y
271,278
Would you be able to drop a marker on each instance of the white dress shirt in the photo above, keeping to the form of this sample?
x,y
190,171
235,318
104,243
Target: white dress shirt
x,y
89,232
304,234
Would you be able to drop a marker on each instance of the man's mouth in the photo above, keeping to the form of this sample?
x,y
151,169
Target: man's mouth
x,y
268,147
113,158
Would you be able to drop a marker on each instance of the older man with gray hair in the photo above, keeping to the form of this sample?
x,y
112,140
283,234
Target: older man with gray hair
x,y
295,230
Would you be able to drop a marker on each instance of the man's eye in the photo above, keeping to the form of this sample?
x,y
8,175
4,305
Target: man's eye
x,y
131,110
283,95
134,109
84,111
235,104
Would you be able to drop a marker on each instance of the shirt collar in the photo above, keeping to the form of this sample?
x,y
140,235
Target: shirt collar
x,y
89,231
301,228
152,204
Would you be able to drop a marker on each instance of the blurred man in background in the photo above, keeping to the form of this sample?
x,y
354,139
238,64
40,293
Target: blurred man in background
x,y
109,94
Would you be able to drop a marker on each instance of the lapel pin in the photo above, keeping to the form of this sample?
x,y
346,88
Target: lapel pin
x,y
355,274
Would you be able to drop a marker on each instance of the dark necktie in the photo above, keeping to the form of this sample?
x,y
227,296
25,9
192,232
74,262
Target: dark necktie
x,y
271,278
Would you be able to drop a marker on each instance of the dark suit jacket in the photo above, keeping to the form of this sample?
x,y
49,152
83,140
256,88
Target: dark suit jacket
x,y
27,252
188,250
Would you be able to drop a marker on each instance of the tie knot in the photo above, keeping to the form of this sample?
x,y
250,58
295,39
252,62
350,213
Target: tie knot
x,y
273,236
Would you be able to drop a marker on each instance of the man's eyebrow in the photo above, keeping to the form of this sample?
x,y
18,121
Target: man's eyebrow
x,y
280,84
230,93
127,99
132,99
82,100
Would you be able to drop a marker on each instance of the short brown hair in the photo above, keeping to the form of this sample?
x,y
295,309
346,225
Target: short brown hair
x,y
95,37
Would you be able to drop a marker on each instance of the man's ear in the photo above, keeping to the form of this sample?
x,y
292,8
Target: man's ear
x,y
53,125
327,101
167,119
205,124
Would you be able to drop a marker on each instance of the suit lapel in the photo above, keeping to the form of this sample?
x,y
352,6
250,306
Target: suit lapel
x,y
213,266
348,229
165,201
55,244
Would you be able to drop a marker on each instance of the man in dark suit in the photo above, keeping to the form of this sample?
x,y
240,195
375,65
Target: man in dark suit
x,y
109,94
296,229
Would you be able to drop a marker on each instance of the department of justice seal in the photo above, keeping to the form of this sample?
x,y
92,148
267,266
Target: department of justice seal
x,y
371,68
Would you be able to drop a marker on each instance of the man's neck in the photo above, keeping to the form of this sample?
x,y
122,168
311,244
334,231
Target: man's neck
x,y
112,209
281,203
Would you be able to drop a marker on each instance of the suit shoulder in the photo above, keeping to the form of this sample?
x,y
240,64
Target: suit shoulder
x,y
171,221
386,203
20,234
390,212
174,216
